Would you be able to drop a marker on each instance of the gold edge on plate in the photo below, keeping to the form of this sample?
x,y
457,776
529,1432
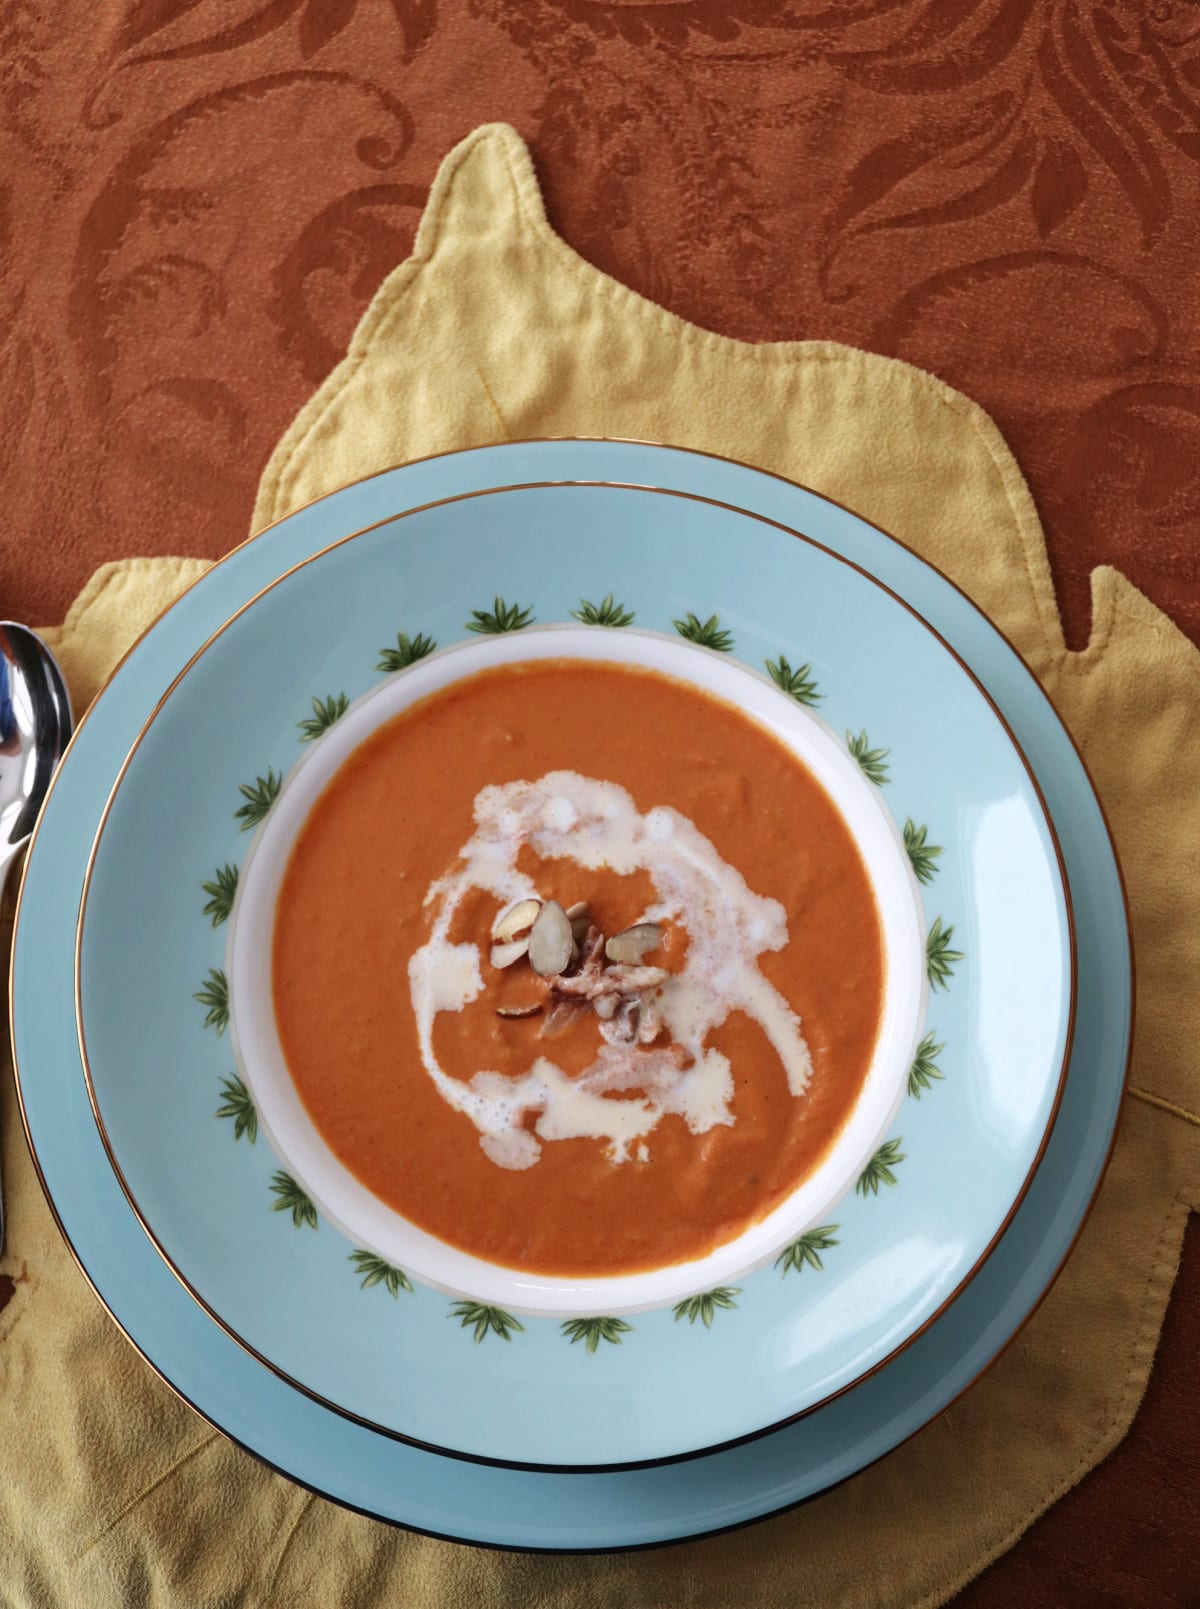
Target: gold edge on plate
x,y
717,458
653,490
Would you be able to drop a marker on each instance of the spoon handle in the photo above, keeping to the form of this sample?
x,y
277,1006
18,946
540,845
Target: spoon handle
x,y
8,855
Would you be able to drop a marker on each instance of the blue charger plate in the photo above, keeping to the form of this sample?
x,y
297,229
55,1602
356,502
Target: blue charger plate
x,y
867,1275
529,1509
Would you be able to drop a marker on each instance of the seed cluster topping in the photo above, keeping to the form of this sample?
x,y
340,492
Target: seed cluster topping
x,y
579,970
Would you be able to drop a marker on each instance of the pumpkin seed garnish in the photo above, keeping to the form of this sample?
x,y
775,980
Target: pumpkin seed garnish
x,y
631,945
584,971
550,941
516,920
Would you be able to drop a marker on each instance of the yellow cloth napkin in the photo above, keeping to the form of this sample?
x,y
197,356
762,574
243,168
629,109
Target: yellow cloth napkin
x,y
114,1493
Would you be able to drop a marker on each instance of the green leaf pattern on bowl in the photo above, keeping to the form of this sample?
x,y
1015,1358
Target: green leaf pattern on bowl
x,y
482,1321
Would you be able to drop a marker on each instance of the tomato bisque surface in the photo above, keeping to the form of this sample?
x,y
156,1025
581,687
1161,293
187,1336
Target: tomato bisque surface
x,y
577,968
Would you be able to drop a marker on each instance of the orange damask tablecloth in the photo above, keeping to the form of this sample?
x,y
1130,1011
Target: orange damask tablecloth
x,y
198,198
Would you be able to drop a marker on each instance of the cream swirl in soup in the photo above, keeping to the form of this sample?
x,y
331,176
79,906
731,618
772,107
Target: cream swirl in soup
x,y
596,825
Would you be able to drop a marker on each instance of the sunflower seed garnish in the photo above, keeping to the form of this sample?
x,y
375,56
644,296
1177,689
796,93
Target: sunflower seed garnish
x,y
631,945
574,912
550,940
519,1011
517,919
503,955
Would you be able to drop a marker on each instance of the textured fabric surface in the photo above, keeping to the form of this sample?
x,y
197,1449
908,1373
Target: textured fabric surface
x,y
200,196
117,1494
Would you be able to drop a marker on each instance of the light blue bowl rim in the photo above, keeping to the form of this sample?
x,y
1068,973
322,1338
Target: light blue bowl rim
x,y
1033,685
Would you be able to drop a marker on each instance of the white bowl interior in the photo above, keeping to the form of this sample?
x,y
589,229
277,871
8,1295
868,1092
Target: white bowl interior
x,y
366,1219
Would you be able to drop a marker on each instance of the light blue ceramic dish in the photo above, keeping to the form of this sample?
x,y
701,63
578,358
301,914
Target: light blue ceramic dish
x,y
486,1375
386,1477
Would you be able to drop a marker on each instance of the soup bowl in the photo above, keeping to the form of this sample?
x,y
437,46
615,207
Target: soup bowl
x,y
377,1227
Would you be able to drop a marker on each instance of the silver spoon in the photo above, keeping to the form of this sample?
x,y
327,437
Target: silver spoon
x,y
35,724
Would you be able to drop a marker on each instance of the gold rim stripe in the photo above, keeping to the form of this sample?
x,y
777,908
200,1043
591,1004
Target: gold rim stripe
x,y
396,519
579,440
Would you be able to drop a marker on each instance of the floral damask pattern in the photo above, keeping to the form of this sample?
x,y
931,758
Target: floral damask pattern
x,y
198,197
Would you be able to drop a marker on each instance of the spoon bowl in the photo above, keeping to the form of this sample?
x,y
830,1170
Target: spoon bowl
x,y
35,723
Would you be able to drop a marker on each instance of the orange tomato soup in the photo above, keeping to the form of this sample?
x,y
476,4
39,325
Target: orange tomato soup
x,y
352,913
